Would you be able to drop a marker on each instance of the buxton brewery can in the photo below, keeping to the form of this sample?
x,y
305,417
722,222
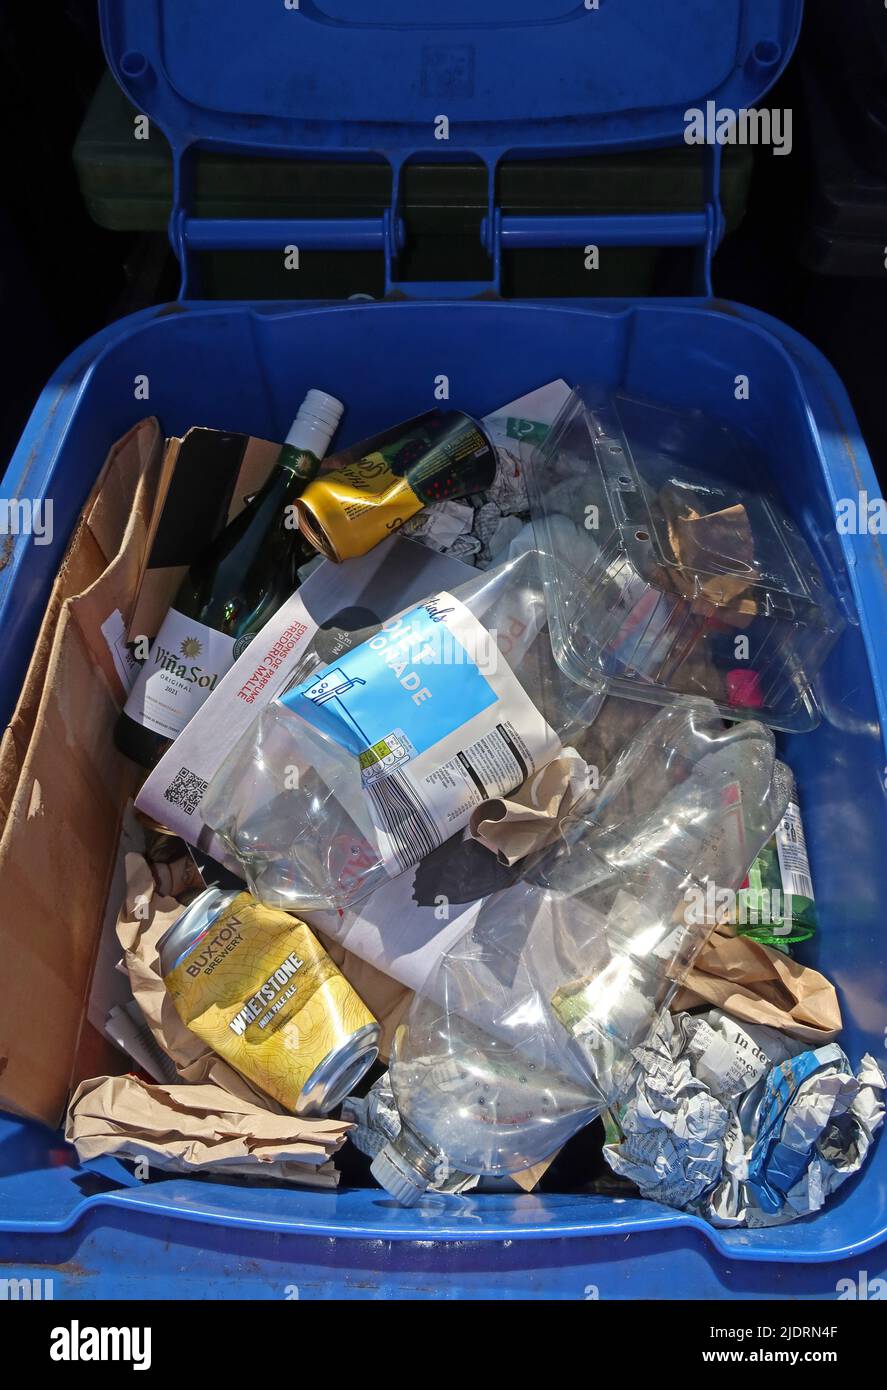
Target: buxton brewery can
x,y
435,457
257,986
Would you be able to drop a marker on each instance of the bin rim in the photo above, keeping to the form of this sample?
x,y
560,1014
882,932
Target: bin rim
x,y
846,467
366,1214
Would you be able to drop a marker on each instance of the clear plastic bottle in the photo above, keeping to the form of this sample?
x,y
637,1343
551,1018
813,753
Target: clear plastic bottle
x,y
357,773
524,1031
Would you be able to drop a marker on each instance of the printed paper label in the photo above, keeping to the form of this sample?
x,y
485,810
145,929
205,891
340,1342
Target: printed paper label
x,y
791,847
125,664
436,718
185,664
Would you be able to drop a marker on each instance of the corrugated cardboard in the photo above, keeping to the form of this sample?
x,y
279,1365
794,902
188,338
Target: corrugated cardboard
x,y
63,787
206,480
63,784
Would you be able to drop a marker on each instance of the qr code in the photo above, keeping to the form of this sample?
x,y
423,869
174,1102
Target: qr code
x,y
186,790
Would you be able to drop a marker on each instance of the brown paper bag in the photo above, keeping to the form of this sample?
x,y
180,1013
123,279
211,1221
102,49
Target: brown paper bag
x,y
515,826
144,917
756,984
63,787
185,1129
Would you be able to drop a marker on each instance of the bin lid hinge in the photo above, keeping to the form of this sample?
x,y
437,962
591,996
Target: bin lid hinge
x,y
500,231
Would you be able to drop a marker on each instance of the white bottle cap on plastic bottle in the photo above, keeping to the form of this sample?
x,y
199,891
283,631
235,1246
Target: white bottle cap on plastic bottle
x,y
398,1176
316,423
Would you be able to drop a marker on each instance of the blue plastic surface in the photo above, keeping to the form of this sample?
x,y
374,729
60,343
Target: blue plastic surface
x,y
242,367
341,79
342,76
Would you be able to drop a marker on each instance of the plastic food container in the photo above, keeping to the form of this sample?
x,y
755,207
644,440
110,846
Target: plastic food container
x,y
672,570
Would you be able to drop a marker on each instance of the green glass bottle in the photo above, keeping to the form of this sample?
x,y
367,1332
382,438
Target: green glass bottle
x,y
228,594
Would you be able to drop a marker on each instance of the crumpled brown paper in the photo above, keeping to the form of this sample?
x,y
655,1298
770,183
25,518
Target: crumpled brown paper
x,y
144,917
184,1129
515,826
701,543
754,983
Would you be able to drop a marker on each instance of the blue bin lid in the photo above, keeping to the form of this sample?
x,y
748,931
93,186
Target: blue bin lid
x,y
364,76
397,79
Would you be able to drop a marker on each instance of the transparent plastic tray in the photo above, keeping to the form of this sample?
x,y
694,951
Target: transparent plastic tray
x,y
668,571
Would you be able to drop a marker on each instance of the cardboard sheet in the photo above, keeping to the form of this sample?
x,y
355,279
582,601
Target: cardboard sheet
x,y
63,787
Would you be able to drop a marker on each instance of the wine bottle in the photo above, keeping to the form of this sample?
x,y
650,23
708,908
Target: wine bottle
x,y
228,594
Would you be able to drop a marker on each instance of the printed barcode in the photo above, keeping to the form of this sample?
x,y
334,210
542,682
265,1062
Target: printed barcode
x,y
186,790
800,884
402,815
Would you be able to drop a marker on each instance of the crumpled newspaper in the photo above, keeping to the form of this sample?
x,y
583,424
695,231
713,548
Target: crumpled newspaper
x,y
477,532
740,1123
813,1128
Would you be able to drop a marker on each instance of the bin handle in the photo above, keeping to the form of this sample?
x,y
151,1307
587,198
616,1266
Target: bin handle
x,y
499,231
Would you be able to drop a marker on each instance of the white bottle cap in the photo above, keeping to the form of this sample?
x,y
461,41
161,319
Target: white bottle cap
x,y
398,1176
316,423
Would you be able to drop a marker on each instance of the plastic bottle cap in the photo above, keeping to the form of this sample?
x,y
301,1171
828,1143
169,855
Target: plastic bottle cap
x,y
405,1184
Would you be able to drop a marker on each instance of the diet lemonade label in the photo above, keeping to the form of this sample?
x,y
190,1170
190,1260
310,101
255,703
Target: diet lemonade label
x,y
186,662
437,720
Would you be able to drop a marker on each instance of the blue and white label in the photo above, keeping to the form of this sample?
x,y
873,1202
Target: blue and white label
x,y
774,1167
415,676
437,719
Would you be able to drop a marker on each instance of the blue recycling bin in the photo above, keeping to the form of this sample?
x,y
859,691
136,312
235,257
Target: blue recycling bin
x,y
328,81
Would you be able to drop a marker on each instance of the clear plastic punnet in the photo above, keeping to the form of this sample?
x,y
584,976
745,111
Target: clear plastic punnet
x,y
354,775
671,571
527,1027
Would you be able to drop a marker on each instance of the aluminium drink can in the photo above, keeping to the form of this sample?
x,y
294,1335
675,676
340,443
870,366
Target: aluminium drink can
x,y
257,986
436,457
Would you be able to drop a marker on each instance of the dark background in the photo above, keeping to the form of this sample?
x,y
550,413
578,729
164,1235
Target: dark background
x,y
819,211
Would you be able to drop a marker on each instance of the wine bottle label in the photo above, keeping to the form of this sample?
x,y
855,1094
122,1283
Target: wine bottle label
x,y
185,664
436,718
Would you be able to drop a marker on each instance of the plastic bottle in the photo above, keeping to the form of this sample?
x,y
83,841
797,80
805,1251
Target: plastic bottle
x,y
524,1031
356,774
